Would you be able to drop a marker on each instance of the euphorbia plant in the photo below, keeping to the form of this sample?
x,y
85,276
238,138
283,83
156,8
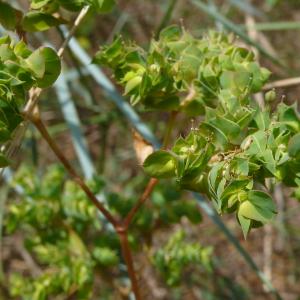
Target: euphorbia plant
x,y
238,145
228,157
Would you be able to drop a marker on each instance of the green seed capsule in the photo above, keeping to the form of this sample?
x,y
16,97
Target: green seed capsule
x,y
270,96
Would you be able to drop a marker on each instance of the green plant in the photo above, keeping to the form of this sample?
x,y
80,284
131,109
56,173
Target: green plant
x,y
229,157
61,230
238,145
177,255
21,70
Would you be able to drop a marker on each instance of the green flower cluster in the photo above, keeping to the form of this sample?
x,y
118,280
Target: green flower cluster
x,y
180,72
228,169
238,145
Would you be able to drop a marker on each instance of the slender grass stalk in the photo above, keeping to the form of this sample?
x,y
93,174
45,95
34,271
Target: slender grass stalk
x,y
167,16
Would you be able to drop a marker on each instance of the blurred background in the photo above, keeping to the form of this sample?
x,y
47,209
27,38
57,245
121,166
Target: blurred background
x,y
96,133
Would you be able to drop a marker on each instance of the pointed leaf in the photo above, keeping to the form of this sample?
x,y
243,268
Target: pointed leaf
x,y
160,164
39,21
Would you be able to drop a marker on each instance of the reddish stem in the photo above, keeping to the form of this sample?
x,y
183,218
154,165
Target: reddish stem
x,y
147,192
126,252
120,227
36,120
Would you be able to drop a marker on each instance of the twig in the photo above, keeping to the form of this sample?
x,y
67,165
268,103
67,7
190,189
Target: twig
x,y
148,190
282,232
77,22
153,181
36,92
120,228
267,253
123,228
32,265
126,252
282,83
36,120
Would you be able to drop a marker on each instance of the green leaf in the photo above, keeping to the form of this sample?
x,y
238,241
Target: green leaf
x,y
103,6
209,129
170,33
262,200
4,162
262,120
294,146
106,256
289,116
245,224
36,63
160,164
235,187
52,67
258,145
9,16
4,132
250,211
76,244
241,166
38,4
132,84
214,174
233,80
6,53
228,127
269,161
73,5
22,50
259,207
39,21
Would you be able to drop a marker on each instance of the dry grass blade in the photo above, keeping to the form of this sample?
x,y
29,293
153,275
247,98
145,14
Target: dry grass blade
x,y
282,83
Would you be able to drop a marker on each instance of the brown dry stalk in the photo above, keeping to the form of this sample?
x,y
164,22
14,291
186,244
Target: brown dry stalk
x,y
282,83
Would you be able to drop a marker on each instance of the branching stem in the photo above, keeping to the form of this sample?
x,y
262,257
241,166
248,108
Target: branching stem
x,y
121,227
147,192
36,120
153,181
